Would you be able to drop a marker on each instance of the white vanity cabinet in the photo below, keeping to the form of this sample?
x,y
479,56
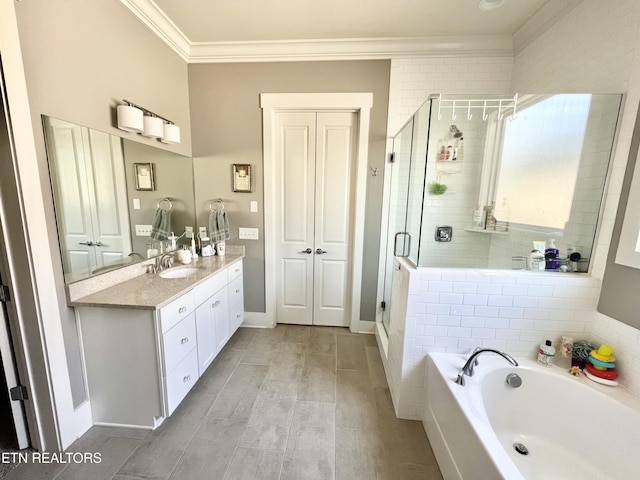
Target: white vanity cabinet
x,y
141,362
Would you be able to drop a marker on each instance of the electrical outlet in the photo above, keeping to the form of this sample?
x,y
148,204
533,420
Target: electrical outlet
x,y
248,234
189,232
202,232
143,230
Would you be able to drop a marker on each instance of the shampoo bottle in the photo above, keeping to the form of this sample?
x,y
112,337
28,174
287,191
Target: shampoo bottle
x,y
546,353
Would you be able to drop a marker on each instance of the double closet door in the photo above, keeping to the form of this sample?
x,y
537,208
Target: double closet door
x,y
315,156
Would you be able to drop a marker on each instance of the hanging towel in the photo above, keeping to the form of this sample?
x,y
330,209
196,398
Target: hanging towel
x,y
218,226
161,228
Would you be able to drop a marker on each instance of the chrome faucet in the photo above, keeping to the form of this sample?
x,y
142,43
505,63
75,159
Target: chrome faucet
x,y
164,261
472,361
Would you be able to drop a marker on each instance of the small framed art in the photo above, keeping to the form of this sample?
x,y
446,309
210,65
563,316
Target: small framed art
x,y
144,176
241,177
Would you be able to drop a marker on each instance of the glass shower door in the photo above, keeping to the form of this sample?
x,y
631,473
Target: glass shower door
x,y
398,242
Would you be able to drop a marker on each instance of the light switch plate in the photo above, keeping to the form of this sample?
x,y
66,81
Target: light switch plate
x,y
143,230
136,204
254,206
248,234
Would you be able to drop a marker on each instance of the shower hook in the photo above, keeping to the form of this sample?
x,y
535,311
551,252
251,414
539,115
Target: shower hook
x,y
484,112
469,115
453,110
439,104
500,114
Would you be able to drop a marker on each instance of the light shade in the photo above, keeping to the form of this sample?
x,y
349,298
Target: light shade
x,y
171,133
130,118
152,127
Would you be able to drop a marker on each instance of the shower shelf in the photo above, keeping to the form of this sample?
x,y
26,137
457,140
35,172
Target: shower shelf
x,y
490,232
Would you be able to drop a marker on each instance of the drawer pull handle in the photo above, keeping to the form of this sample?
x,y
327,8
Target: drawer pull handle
x,y
184,340
215,304
238,290
182,309
238,315
186,378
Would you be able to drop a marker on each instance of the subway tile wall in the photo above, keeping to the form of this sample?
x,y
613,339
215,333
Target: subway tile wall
x,y
595,48
582,53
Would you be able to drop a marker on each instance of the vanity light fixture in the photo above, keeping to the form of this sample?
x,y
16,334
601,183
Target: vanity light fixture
x,y
486,5
171,133
134,118
152,126
130,118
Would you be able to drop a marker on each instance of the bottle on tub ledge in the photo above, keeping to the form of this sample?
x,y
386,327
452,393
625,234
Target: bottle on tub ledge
x,y
552,256
546,352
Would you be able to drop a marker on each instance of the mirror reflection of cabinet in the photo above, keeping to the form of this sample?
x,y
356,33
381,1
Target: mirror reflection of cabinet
x,y
88,181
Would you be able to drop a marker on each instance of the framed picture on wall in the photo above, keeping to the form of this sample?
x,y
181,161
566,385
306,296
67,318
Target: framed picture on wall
x,y
144,176
241,177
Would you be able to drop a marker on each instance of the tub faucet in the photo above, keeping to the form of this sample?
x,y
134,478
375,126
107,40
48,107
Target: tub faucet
x,y
473,359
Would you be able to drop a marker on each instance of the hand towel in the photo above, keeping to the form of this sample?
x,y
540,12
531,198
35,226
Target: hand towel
x,y
161,227
218,226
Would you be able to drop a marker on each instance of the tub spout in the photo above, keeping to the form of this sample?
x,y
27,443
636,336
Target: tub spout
x,y
468,368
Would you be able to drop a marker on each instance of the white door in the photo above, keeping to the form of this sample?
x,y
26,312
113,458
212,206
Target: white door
x,y
11,374
315,162
91,198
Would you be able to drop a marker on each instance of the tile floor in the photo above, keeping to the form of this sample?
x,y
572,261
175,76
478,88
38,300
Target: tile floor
x,y
290,403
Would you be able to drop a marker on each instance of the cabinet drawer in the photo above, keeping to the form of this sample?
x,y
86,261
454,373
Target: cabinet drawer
x,y
181,380
235,270
178,342
236,291
176,311
236,317
210,286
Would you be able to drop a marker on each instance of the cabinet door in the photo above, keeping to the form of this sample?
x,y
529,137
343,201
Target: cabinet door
x,y
206,334
220,308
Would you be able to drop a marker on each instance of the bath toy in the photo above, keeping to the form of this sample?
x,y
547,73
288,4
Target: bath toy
x,y
602,358
603,381
606,374
601,364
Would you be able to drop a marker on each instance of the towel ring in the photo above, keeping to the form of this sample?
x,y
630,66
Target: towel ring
x,y
163,204
215,203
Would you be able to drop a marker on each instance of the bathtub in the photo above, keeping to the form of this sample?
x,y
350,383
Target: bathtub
x,y
572,427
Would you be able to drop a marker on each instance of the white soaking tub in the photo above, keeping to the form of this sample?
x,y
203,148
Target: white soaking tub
x,y
571,427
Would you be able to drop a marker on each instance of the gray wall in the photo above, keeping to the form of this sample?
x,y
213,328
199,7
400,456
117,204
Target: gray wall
x,y
620,294
81,59
227,129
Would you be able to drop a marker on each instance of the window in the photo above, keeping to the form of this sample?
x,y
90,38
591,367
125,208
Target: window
x,y
539,163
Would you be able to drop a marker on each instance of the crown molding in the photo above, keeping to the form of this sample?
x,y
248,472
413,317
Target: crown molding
x,y
314,50
155,20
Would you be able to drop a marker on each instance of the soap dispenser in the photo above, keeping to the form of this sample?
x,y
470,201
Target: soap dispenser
x,y
551,256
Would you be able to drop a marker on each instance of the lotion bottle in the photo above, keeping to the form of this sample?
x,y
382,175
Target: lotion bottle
x,y
546,353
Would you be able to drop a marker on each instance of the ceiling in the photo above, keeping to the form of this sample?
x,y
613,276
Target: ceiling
x,y
268,30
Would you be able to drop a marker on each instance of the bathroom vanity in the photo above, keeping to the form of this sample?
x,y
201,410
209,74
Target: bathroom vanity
x,y
148,340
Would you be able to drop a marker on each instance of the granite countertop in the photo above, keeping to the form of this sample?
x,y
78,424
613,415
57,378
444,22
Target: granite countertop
x,y
152,292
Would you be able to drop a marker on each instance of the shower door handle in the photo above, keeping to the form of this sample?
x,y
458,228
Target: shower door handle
x,y
406,244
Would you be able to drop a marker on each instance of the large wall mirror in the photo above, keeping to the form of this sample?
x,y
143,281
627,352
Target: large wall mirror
x,y
107,192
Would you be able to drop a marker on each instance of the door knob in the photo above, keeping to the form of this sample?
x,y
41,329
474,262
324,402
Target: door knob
x,y
320,251
89,243
307,251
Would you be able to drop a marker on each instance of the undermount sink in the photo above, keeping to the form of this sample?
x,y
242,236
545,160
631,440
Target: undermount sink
x,y
179,272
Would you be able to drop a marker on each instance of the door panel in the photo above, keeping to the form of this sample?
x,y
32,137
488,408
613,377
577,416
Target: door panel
x,y
315,155
295,147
